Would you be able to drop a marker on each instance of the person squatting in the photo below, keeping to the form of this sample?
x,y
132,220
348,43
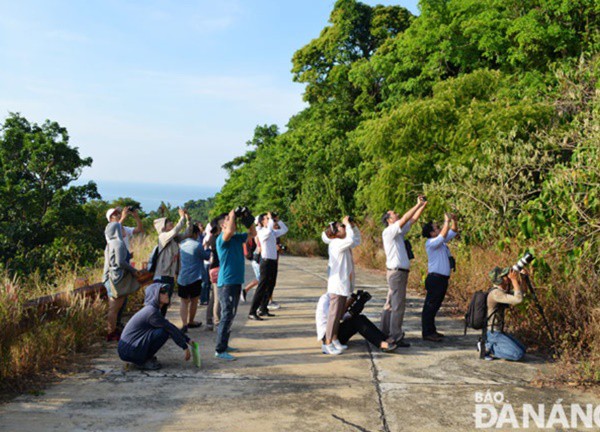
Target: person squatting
x,y
208,263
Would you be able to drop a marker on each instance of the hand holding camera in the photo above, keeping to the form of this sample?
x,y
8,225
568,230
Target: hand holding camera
x,y
422,200
245,215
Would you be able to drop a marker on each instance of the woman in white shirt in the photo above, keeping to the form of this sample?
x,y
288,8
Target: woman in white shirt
x,y
341,238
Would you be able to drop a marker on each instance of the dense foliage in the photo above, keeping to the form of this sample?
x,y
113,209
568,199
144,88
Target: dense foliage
x,y
44,222
490,107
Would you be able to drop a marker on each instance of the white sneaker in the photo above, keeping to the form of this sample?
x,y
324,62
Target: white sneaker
x,y
331,349
273,305
338,345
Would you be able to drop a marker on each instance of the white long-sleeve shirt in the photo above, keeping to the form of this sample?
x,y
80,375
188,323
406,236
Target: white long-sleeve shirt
x,y
438,254
341,264
267,237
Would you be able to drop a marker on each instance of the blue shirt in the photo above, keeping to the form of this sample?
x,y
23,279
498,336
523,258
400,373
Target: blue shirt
x,y
192,256
438,253
231,257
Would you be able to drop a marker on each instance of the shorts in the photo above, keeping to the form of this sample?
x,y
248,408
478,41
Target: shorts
x,y
256,268
190,291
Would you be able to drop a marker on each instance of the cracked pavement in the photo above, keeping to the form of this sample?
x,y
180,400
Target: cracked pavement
x,y
282,382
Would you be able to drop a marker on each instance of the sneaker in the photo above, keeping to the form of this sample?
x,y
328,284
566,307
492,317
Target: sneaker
x,y
267,313
339,346
224,356
150,365
402,343
273,305
432,338
391,347
244,294
331,350
439,334
231,349
195,324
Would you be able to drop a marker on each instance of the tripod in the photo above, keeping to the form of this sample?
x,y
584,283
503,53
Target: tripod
x,y
539,307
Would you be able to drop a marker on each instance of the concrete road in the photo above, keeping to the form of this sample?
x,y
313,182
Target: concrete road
x,y
282,382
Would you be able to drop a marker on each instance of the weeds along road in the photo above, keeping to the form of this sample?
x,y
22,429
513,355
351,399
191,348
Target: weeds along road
x,y
282,382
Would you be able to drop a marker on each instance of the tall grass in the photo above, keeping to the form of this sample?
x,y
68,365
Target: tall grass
x,y
571,303
31,344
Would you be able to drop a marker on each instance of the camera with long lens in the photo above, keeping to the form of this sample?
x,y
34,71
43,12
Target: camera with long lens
x,y
361,298
523,262
245,216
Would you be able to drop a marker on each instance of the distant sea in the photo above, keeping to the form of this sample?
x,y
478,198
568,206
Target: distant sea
x,y
150,195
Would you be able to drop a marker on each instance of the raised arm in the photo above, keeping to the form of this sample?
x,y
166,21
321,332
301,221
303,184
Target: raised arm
x,y
421,204
230,226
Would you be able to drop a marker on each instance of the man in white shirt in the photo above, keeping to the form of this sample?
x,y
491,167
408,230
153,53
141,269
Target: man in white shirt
x,y
438,273
398,266
267,236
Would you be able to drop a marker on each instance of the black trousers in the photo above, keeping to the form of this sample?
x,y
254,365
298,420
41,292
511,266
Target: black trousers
x,y
362,325
436,286
266,285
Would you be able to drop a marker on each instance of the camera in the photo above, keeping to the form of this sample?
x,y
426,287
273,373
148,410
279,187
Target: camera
x,y
245,216
274,215
523,262
133,208
361,298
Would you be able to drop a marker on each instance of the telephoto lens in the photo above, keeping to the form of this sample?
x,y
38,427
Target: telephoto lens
x,y
523,262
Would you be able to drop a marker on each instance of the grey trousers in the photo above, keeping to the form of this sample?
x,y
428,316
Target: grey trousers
x,y
392,315
337,304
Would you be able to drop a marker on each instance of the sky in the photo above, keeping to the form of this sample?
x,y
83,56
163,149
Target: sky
x,y
157,91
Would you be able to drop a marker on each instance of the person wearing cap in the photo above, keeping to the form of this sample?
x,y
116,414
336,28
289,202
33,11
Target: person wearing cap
x,y
439,267
498,343
119,277
267,236
117,214
147,331
398,265
167,263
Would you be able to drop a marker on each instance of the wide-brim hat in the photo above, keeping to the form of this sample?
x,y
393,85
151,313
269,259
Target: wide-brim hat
x,y
497,273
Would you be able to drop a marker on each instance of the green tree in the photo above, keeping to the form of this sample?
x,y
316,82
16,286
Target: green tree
x,y
41,216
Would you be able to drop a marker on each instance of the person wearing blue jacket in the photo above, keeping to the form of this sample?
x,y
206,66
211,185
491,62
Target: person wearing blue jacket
x,y
191,275
147,331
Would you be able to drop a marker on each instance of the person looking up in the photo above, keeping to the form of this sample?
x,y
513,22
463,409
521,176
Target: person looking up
x,y
438,272
398,266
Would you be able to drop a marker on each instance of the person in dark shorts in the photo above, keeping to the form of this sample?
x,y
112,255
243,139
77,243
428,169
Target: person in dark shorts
x,y
192,255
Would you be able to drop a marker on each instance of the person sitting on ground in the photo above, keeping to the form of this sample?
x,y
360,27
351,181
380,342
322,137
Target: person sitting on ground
x,y
147,331
119,277
167,263
438,273
350,325
192,255
499,344
341,238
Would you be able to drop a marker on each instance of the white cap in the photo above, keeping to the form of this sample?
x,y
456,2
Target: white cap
x,y
110,212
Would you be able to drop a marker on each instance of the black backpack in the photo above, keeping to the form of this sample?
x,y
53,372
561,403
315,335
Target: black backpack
x,y
476,316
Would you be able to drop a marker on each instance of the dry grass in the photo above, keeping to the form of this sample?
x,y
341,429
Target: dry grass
x,y
43,344
570,302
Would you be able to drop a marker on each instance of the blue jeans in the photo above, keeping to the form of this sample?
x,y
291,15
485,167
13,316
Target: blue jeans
x,y
229,297
504,346
140,354
206,287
